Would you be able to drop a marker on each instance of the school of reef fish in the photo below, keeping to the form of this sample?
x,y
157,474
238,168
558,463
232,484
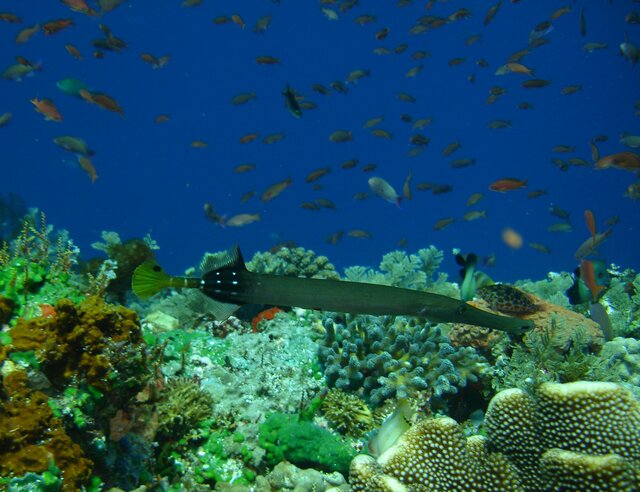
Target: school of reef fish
x,y
108,387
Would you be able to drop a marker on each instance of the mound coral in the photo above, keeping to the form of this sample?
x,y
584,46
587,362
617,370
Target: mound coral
x,y
593,427
581,436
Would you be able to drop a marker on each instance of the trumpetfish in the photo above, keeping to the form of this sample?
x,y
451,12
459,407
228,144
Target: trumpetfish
x,y
227,281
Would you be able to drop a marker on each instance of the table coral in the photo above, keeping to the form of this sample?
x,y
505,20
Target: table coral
x,y
31,437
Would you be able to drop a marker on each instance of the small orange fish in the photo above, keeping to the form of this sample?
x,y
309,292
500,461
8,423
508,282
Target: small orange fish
x,y
275,189
512,238
317,174
73,51
199,144
248,138
9,17
47,109
507,184
26,34
55,26
442,223
161,118
107,102
628,161
590,220
87,167
238,21
588,276
79,6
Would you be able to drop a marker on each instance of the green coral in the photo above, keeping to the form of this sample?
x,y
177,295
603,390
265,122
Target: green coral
x,y
298,262
285,436
623,302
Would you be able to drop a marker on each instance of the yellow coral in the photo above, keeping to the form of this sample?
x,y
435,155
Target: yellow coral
x,y
347,413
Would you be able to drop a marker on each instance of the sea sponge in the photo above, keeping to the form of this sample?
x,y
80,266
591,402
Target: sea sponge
x,y
94,343
31,437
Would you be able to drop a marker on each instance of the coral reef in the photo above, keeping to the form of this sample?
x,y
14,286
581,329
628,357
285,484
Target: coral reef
x,y
570,437
297,262
387,357
32,438
36,267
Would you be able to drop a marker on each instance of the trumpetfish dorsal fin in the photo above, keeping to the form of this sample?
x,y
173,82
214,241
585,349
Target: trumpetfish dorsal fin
x,y
231,258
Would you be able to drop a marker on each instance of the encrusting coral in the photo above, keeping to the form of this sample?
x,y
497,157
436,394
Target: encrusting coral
x,y
581,436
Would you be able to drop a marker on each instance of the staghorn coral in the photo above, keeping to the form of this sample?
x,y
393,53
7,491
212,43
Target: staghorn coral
x,y
298,262
393,357
31,438
94,343
434,456
587,419
347,413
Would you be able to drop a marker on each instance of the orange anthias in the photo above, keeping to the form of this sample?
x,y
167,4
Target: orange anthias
x,y
47,109
507,184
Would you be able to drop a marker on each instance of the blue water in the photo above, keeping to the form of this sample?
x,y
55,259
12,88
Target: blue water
x,y
152,181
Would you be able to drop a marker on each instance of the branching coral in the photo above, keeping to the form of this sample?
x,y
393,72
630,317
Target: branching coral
x,y
183,406
298,262
414,271
386,357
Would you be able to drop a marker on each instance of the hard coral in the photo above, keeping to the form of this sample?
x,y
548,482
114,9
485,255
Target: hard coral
x,y
85,342
387,357
583,423
580,436
31,438
298,262
434,456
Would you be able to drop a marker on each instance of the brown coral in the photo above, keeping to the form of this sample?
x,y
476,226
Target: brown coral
x,y
79,342
31,437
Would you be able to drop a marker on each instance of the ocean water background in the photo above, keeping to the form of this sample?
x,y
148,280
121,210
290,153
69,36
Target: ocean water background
x,y
152,181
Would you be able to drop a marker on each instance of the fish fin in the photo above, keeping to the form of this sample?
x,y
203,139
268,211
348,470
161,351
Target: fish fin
x,y
221,310
149,279
225,259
